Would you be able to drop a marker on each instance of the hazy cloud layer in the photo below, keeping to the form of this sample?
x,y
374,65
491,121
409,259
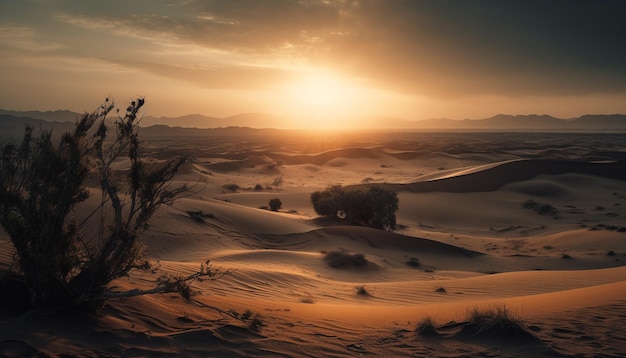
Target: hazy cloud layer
x,y
437,48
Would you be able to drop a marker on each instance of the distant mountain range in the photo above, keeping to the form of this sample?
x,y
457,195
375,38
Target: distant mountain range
x,y
530,122
62,120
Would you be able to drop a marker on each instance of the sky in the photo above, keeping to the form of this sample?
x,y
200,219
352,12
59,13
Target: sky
x,y
317,63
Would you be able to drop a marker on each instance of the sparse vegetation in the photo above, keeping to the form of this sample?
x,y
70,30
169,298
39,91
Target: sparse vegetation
x,y
41,182
517,245
342,259
246,315
371,206
275,204
609,227
199,216
414,262
278,182
541,209
426,327
361,290
256,323
232,187
496,320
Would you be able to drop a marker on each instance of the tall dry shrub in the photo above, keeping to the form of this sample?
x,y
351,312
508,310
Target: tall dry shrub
x,y
41,182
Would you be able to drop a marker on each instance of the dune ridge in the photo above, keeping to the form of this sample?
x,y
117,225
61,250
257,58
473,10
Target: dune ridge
x,y
494,176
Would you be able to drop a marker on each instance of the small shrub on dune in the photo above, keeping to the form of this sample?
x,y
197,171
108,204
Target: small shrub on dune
x,y
372,206
342,259
246,315
426,327
232,187
275,204
233,313
361,290
541,209
414,262
495,321
278,182
257,323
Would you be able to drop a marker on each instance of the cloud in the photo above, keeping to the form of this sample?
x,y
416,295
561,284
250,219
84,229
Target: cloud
x,y
490,47
217,77
443,48
13,36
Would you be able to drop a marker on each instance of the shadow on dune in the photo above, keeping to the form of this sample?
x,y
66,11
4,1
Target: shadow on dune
x,y
374,238
497,176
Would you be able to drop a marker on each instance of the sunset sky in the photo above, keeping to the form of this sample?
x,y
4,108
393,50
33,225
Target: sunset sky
x,y
315,60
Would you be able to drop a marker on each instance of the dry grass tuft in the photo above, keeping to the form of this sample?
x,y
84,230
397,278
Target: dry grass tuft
x,y
426,327
414,262
495,321
361,290
342,259
307,299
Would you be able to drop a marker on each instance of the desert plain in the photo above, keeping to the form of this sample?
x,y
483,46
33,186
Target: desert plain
x,y
532,223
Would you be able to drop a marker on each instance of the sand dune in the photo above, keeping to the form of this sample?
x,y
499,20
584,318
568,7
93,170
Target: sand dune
x,y
494,176
465,239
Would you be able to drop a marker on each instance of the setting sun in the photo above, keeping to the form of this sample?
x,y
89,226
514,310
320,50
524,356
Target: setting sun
x,y
324,97
320,92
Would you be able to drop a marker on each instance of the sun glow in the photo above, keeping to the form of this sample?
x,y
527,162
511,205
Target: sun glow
x,y
322,99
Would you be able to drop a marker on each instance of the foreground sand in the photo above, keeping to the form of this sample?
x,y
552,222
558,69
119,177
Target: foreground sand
x,y
461,214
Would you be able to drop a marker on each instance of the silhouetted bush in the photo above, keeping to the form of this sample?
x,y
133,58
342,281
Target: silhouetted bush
x,y
495,321
541,209
278,182
307,299
41,182
257,323
361,290
275,204
426,327
342,259
414,262
371,206
231,187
